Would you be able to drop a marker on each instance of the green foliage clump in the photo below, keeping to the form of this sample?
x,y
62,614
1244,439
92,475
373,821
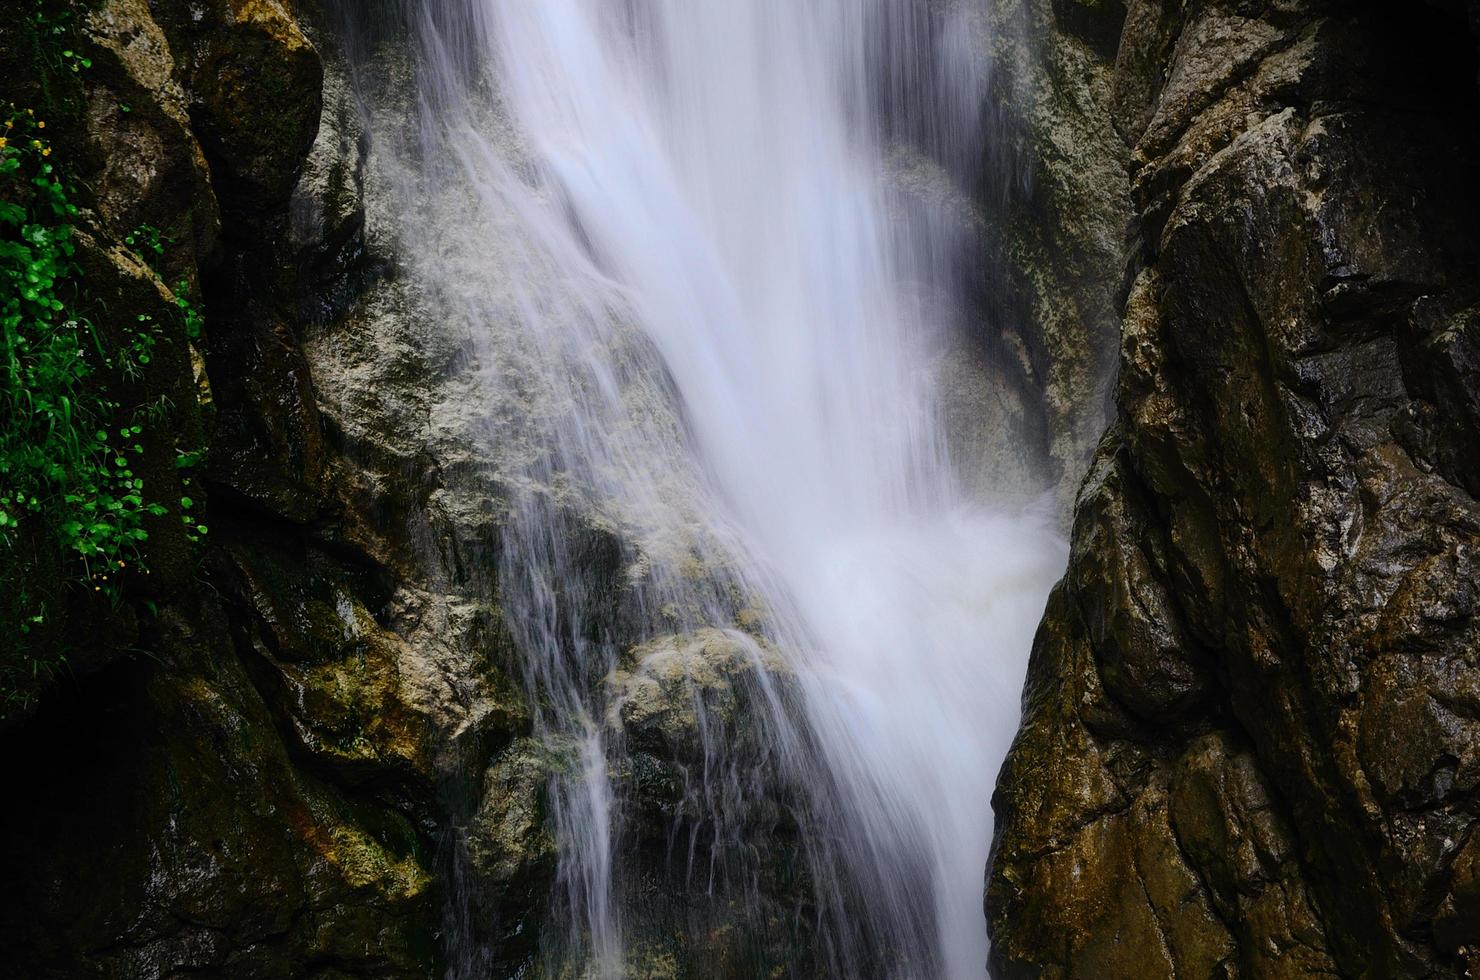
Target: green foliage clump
x,y
78,401
59,458
54,28
148,242
69,496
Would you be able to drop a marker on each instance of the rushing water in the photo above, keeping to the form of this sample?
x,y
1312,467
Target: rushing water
x,y
704,302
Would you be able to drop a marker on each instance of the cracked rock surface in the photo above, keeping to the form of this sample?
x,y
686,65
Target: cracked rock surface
x,y
1251,733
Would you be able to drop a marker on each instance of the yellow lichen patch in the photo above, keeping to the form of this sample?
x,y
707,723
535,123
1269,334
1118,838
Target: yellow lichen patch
x,y
653,963
366,864
203,393
357,705
362,860
270,16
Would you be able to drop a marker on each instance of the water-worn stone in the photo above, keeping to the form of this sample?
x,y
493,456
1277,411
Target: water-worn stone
x,y
718,884
1255,680
152,169
1054,207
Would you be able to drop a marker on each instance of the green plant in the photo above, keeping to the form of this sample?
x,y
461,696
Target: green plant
x,y
77,402
54,28
149,243
185,462
195,321
66,448
60,457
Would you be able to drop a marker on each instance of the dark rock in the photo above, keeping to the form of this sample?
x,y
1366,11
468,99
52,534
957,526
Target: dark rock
x,y
1054,208
1255,679
185,840
151,168
719,884
255,83
241,772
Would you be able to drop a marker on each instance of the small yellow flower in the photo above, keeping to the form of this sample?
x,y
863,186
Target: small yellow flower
x,y
46,152
3,143
36,143
31,112
41,124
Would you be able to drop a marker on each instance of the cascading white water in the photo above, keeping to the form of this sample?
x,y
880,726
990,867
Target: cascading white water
x,y
704,312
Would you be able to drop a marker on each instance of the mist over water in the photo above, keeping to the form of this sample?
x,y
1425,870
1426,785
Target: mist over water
x,y
703,306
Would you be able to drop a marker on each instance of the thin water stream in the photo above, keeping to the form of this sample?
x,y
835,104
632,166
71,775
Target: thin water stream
x,y
703,313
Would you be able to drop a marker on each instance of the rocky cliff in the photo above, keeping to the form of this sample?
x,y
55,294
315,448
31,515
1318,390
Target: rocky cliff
x,y
1053,194
298,745
1251,724
293,745
232,765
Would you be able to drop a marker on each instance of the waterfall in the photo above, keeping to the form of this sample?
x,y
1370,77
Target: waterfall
x,y
704,255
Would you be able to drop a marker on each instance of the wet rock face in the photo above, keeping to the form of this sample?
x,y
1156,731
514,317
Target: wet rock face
x,y
719,884
1053,197
255,84
185,836
1250,739
244,775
